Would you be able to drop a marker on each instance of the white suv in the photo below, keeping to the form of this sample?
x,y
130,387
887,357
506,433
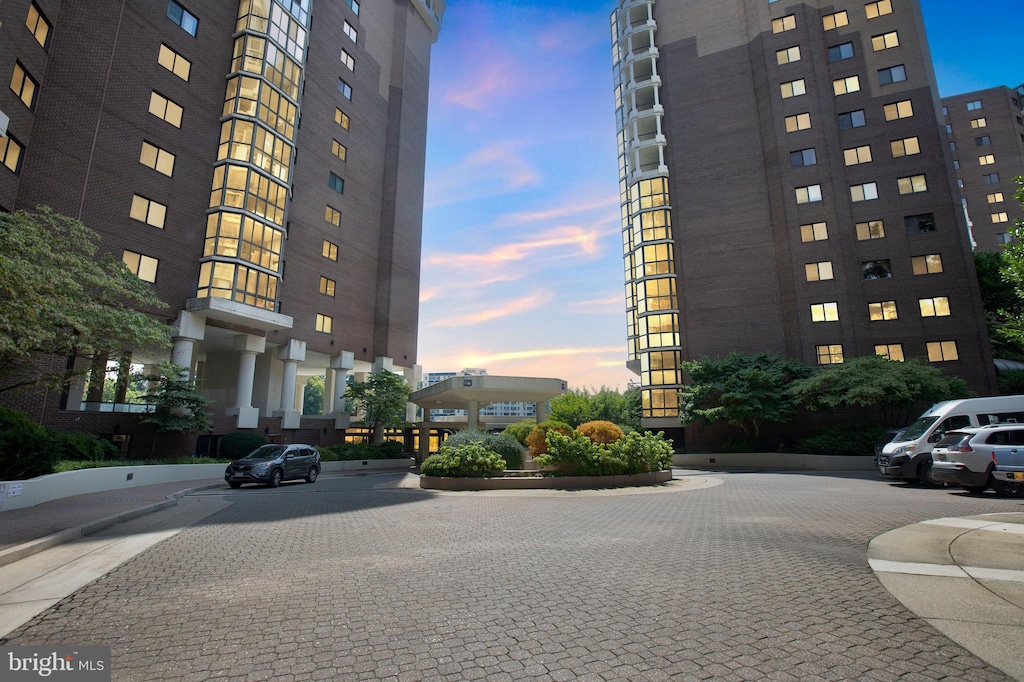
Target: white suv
x,y
964,457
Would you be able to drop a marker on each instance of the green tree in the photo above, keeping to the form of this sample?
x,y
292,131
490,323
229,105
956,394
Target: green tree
x,y
180,407
893,388
381,401
57,297
313,396
1000,301
632,408
574,407
608,405
1013,272
742,390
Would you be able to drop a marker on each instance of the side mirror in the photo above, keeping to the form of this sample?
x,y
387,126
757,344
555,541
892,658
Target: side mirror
x,y
935,437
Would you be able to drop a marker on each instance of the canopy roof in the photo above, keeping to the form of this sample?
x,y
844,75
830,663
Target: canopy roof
x,y
457,392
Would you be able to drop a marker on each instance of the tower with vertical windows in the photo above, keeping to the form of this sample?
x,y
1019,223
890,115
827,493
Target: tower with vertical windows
x,y
784,187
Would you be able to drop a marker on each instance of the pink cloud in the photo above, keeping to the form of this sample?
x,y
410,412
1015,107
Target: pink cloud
x,y
510,308
494,170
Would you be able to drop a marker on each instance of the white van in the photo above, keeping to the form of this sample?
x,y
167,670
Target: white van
x,y
910,457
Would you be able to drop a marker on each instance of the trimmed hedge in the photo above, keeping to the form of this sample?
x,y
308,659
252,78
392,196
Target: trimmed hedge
x,y
503,444
350,452
469,460
603,432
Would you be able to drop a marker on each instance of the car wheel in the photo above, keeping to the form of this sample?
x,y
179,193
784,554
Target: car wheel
x,y
235,484
976,489
1008,488
311,476
924,474
275,478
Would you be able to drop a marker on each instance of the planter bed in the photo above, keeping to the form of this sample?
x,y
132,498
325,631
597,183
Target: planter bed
x,y
544,482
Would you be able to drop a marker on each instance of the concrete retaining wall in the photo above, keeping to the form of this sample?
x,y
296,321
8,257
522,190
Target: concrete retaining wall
x,y
774,460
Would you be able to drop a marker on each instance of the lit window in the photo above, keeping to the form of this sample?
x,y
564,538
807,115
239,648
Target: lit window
x,y
987,159
908,146
24,86
38,25
882,311
835,20
786,23
336,183
942,351
885,41
837,53
327,286
876,269
149,212
857,155
141,266
830,355
825,312
818,272
165,109
851,119
843,86
877,9
798,122
338,149
324,323
995,198
174,62
333,216
867,191
999,217
10,153
873,229
815,232
982,141
978,122
341,118
974,104
897,110
934,307
892,74
804,157
793,89
345,89
330,250
347,60
808,194
990,178
788,55
891,351
158,159
912,184
927,265
182,17
350,31
917,224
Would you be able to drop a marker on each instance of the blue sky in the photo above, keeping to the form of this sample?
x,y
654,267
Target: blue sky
x,y
522,265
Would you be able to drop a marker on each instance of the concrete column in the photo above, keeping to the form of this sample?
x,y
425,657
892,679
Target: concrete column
x,y
341,365
474,415
291,354
541,411
76,389
424,449
248,347
186,331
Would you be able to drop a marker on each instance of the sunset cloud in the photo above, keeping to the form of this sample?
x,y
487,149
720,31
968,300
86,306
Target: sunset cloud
x,y
484,360
510,308
495,169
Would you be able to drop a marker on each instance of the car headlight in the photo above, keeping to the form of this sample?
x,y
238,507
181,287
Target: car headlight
x,y
262,466
904,450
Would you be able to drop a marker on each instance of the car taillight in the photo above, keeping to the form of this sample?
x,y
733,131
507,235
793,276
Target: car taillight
x,y
962,447
994,460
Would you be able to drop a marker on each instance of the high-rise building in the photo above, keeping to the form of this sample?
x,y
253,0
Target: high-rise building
x,y
259,162
784,187
986,138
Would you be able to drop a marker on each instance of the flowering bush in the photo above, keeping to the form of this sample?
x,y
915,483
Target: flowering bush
x,y
504,445
577,455
603,432
469,460
537,440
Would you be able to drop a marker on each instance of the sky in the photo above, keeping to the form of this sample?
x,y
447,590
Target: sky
x,y
522,270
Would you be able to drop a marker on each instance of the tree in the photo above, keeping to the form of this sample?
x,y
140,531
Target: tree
x,y
1000,301
313,396
381,400
574,407
742,390
180,407
56,297
632,408
1013,272
608,405
871,381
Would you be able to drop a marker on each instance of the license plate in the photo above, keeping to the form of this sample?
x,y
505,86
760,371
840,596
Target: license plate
x,y
1013,476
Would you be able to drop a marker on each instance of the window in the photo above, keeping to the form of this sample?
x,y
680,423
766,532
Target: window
x,y
876,269
24,86
347,60
913,184
158,159
982,141
949,129
873,229
804,157
147,211
350,31
908,146
851,119
793,89
818,272
844,86
786,23
10,153
324,323
815,232
867,191
174,62
916,224
38,25
830,355
327,286
788,55
891,351
956,164
885,41
882,311
345,89
952,146
942,351
838,53
825,312
336,183
835,20
960,183
808,194
934,307
182,17
354,5
927,265
999,217
1004,238
165,109
330,250
945,111
974,104
341,118
141,266
893,74
995,198
979,122
990,179
857,155
877,9
338,149
333,216
986,160
798,122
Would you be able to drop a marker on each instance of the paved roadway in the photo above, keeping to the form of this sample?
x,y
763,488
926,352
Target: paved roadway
x,y
763,577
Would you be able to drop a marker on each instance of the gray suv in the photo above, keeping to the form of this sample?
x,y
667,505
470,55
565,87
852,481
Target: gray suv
x,y
272,464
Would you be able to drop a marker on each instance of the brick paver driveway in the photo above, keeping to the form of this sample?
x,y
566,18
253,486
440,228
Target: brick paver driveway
x,y
764,577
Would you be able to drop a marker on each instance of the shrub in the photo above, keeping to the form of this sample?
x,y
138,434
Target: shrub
x,y
537,440
602,432
11,420
644,452
349,452
843,439
238,444
26,453
577,455
82,446
521,430
1012,382
503,444
469,460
